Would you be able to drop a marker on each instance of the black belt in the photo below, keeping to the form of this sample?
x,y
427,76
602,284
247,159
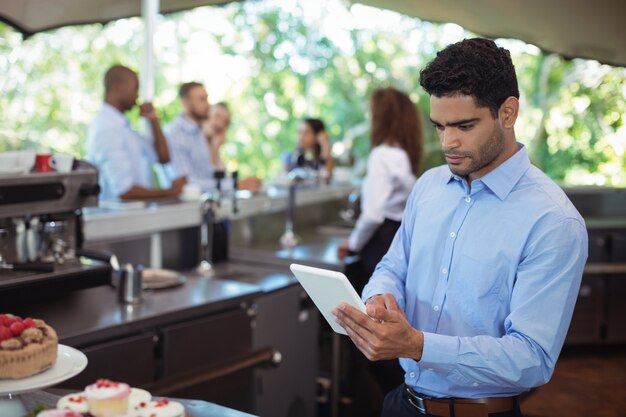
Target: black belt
x,y
458,407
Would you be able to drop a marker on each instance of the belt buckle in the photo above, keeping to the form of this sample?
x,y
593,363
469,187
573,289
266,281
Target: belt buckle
x,y
415,400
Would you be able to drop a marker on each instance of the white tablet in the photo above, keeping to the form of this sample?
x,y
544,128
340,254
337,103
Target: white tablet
x,y
327,289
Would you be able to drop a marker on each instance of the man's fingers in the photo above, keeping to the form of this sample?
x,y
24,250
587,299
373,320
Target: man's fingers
x,y
354,318
390,303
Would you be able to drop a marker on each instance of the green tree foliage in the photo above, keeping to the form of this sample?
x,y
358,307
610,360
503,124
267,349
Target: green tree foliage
x,y
282,61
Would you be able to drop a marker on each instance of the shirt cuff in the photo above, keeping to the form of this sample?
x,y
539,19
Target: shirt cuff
x,y
376,288
439,352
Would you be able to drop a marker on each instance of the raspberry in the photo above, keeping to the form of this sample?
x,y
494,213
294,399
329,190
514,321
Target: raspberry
x,y
17,328
5,333
29,323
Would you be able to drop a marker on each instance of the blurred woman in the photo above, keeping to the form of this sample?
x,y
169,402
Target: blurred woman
x,y
392,167
313,148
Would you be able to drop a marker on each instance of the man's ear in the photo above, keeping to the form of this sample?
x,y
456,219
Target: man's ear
x,y
508,111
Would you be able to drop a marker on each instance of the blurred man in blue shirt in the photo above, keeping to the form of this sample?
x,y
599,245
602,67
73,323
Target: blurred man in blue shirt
x,y
195,140
124,157
477,290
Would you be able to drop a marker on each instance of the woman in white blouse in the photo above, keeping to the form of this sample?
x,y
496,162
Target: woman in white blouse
x,y
392,167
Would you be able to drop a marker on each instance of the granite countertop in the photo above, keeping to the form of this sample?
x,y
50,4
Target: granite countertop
x,y
93,314
316,249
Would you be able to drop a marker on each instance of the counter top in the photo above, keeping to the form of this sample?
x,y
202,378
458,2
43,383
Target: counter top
x,y
138,218
316,249
85,316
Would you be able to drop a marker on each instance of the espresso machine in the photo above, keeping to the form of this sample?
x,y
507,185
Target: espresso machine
x,y
41,233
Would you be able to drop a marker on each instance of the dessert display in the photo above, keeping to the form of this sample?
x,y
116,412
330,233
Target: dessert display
x,y
106,398
137,397
161,408
74,402
27,346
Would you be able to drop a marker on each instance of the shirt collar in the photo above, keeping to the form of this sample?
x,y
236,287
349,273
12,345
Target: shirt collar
x,y
502,179
114,114
187,124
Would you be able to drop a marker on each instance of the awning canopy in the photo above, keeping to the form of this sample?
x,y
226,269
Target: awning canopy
x,y
592,29
32,16
573,28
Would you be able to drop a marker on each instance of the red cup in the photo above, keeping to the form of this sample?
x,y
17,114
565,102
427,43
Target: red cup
x,y
43,163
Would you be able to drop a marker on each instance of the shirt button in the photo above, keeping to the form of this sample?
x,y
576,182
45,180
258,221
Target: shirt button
x,y
436,308
452,235
444,271
475,384
431,369
412,374
468,199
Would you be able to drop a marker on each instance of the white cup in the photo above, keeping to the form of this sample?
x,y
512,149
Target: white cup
x,y
62,162
191,192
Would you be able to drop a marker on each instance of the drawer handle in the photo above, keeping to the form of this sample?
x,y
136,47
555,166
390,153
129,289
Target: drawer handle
x,y
605,268
250,360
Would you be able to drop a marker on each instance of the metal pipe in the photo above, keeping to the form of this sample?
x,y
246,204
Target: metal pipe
x,y
149,13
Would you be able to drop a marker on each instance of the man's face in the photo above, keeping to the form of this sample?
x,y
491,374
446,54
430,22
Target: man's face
x,y
471,139
197,103
220,118
129,88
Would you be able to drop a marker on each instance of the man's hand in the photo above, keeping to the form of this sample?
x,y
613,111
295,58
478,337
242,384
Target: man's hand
x,y
343,249
148,111
177,185
382,333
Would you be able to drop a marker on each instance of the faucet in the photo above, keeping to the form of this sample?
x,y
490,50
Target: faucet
x,y
289,239
209,202
350,213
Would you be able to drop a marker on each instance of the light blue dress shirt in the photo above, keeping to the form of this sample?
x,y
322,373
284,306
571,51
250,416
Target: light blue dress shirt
x,y
190,155
489,274
123,156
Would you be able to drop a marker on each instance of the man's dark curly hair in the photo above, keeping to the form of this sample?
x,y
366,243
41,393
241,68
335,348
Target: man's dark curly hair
x,y
473,67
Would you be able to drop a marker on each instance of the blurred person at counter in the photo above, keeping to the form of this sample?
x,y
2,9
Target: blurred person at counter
x,y
196,136
477,290
123,156
392,168
313,149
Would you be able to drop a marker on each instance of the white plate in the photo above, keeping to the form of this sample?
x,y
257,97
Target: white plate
x,y
70,362
12,171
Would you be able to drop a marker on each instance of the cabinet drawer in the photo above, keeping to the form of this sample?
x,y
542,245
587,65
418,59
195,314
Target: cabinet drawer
x,y
616,320
200,343
588,318
131,360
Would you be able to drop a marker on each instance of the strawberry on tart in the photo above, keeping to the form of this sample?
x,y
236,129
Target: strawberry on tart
x,y
27,346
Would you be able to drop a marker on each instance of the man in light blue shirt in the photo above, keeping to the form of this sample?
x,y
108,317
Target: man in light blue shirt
x,y
477,290
194,140
124,157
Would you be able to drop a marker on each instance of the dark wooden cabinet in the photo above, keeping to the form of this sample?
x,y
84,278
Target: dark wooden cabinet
x,y
588,319
113,360
196,344
287,321
220,341
616,309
